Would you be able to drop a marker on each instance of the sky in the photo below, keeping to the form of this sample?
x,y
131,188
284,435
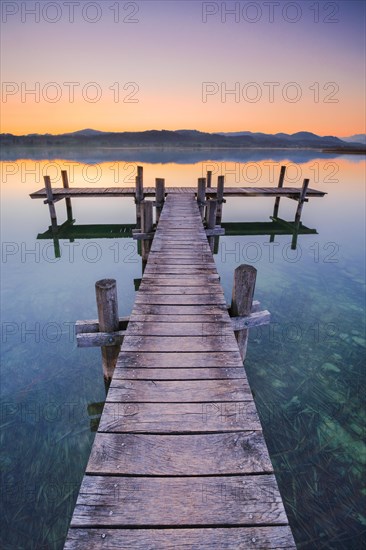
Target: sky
x,y
260,66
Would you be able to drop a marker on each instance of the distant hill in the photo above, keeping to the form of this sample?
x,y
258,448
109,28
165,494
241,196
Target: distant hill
x,y
86,132
177,139
356,138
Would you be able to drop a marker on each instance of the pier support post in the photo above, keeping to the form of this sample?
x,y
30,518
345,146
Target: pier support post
x,y
107,304
65,183
211,221
50,199
302,198
209,178
52,209
279,186
159,196
220,198
211,213
139,194
201,195
300,204
146,227
242,298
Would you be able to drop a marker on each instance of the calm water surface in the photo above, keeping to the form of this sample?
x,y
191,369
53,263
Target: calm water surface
x,y
306,369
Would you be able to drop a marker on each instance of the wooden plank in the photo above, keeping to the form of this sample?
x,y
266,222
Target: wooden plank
x,y
186,391
196,330
197,309
157,269
114,501
250,538
222,342
168,455
98,339
181,360
181,290
92,325
171,191
150,373
174,299
202,319
187,281
179,417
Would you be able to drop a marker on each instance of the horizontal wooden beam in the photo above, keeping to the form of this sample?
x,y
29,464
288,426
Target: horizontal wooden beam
x,y
98,339
215,232
84,327
143,236
252,320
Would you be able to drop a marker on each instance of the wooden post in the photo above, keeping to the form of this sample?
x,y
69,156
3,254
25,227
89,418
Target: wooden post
x,y
65,183
211,220
220,198
51,205
106,294
242,298
139,194
279,186
159,196
302,198
209,178
140,184
201,194
211,213
146,226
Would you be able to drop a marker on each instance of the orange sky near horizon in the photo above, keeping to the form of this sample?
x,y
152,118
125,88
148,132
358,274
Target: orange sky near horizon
x,y
173,65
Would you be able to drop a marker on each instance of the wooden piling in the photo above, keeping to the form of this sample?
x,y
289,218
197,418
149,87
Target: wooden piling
x,y
211,213
146,227
201,195
302,198
139,194
159,196
209,178
140,184
220,198
242,299
211,220
279,186
50,199
107,304
65,183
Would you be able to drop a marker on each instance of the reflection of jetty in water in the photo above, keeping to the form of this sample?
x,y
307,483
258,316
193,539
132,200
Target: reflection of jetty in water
x,y
210,200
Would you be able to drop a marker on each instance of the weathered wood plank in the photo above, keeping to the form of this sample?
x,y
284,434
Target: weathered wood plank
x,y
181,290
222,342
114,501
98,339
197,309
186,391
179,299
196,330
201,319
179,417
168,455
150,192
92,325
150,373
250,538
183,360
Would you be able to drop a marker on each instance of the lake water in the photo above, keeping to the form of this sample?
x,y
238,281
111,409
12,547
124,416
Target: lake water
x,y
306,369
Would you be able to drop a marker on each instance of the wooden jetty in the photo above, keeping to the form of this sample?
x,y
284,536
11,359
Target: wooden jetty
x,y
205,195
179,459
110,192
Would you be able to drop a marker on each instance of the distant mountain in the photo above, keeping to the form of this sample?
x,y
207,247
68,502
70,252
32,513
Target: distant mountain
x,y
356,138
177,139
86,132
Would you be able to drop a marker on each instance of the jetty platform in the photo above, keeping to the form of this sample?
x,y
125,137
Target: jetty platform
x,y
179,459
